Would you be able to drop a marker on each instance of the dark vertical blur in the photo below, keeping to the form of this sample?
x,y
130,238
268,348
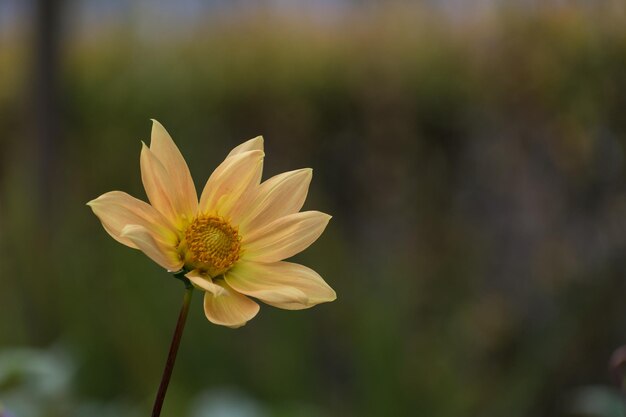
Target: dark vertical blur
x,y
46,127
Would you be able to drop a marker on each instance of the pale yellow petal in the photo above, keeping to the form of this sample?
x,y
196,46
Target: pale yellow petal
x,y
166,151
280,284
255,144
284,237
230,181
117,209
229,308
158,185
163,255
204,282
279,196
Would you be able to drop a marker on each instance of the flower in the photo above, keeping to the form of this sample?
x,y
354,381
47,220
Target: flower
x,y
233,241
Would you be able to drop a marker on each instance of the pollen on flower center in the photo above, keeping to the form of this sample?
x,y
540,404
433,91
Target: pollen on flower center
x,y
212,244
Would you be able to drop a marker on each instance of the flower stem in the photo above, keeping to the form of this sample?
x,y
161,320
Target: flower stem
x,y
171,357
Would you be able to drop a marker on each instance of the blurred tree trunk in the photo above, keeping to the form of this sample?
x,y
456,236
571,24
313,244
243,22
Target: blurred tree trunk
x,y
46,103
44,129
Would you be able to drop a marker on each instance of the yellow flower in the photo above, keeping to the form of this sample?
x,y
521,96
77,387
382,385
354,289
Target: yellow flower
x,y
233,242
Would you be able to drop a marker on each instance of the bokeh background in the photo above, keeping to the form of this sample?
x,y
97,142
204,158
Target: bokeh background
x,y
472,155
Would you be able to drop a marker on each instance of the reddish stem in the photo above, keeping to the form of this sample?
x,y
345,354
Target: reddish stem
x,y
171,357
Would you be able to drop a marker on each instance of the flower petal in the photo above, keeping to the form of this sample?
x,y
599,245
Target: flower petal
x,y
204,282
163,255
284,237
280,284
279,196
166,151
255,144
158,185
230,181
229,308
117,210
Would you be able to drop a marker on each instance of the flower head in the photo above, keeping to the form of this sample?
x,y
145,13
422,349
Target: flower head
x,y
233,241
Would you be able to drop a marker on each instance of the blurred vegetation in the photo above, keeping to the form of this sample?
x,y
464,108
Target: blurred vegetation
x,y
475,172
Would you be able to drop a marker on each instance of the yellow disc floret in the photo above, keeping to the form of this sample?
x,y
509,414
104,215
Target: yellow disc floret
x,y
210,244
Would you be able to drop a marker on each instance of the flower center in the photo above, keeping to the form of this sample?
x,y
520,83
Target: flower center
x,y
212,244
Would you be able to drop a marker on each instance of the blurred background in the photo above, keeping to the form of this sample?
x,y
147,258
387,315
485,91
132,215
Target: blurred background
x,y
472,155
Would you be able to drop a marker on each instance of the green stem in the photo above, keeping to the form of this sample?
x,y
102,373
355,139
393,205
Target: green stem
x,y
171,357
